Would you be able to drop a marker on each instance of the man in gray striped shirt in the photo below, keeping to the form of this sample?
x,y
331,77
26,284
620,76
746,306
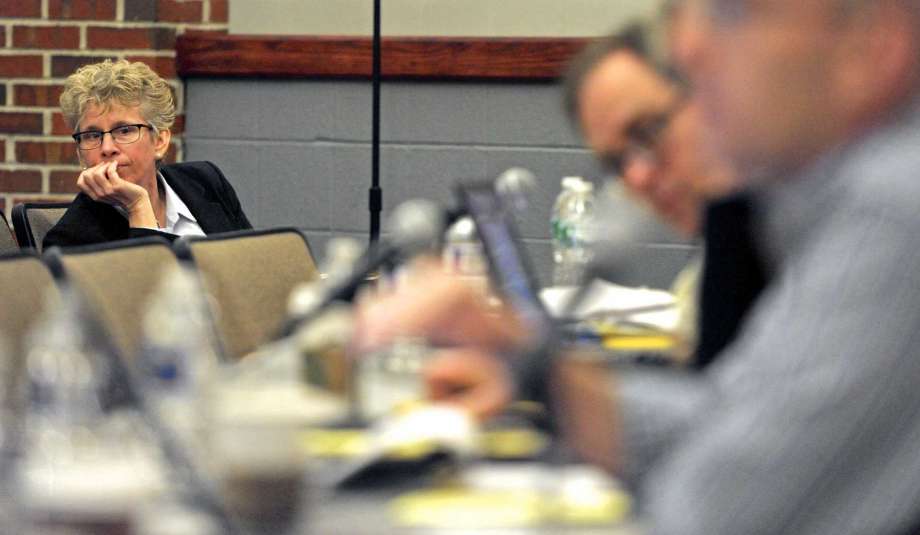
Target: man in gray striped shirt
x,y
810,420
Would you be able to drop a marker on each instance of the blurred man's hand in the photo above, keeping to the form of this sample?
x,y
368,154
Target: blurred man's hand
x,y
473,379
440,308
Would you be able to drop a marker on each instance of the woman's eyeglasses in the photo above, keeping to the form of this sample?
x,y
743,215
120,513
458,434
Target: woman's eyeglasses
x,y
123,135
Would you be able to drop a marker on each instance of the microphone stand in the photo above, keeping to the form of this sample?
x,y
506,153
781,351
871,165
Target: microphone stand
x,y
375,194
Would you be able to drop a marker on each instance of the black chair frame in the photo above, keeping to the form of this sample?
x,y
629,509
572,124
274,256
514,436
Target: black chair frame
x,y
21,225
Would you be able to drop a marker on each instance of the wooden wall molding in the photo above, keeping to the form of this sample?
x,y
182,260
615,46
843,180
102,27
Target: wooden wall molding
x,y
448,58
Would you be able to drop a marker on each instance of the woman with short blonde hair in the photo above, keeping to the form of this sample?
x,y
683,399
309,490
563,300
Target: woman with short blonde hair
x,y
121,114
122,82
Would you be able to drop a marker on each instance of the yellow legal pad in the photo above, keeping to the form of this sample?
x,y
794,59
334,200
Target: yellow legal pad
x,y
649,342
349,443
629,338
335,443
478,509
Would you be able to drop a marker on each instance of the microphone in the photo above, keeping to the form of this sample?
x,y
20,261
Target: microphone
x,y
415,225
514,185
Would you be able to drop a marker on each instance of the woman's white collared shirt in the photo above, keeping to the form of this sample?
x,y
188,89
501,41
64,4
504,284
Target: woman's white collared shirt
x,y
179,219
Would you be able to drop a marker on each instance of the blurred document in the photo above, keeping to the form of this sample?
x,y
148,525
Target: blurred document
x,y
617,304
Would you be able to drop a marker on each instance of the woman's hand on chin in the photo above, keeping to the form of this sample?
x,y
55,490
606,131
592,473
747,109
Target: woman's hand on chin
x,y
102,183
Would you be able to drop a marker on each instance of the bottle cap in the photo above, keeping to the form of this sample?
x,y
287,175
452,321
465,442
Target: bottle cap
x,y
583,186
571,182
463,230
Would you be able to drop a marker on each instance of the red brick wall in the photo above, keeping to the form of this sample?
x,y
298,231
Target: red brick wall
x,y
42,42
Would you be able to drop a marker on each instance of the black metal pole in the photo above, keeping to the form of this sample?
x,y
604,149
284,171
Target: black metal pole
x,y
375,197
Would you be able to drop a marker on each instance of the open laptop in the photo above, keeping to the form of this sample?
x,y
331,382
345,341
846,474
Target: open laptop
x,y
514,278
510,269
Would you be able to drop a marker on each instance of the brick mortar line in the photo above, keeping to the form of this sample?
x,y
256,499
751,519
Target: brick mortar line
x,y
78,52
38,138
142,52
58,81
15,166
30,194
46,23
199,25
46,10
180,97
42,109
35,81
18,108
112,24
120,10
56,138
21,168
32,109
47,54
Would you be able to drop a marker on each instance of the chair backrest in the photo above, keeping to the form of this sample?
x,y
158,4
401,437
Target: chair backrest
x,y
250,275
26,285
26,289
117,280
8,242
32,220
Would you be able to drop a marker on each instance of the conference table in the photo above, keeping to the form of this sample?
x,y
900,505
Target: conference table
x,y
437,497
436,493
368,512
431,493
373,508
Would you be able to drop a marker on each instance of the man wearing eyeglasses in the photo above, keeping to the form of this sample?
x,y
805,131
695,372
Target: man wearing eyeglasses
x,y
810,421
121,113
634,116
634,113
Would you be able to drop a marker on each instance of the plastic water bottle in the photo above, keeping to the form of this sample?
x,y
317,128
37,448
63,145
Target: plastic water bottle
x,y
179,356
463,256
65,374
81,469
572,229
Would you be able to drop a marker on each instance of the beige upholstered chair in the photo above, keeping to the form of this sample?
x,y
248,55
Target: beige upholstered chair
x,y
26,285
117,279
8,242
250,275
32,220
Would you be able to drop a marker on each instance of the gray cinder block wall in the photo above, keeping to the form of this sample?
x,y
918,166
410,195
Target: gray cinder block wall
x,y
298,154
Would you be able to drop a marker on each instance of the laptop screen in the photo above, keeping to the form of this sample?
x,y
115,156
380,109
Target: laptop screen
x,y
510,270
